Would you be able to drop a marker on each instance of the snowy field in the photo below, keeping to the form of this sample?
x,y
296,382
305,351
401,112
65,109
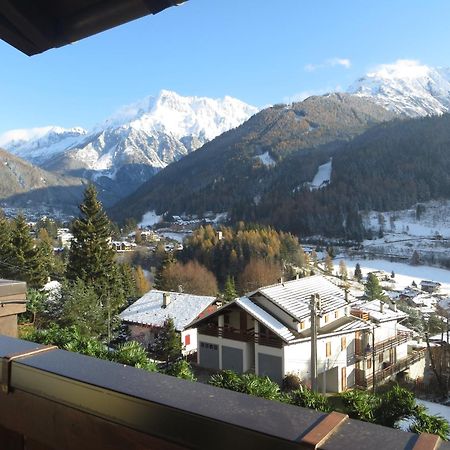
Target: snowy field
x,y
405,274
433,408
323,176
424,228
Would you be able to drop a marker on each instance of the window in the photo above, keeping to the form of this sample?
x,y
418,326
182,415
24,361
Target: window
x,y
328,349
336,314
343,343
302,325
369,363
187,339
326,318
380,358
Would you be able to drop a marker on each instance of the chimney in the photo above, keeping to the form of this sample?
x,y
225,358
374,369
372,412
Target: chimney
x,y
180,288
393,306
166,299
381,307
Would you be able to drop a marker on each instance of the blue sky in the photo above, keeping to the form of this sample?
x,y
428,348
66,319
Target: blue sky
x,y
259,51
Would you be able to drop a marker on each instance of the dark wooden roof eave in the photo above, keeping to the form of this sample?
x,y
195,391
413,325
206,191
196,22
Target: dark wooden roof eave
x,y
34,26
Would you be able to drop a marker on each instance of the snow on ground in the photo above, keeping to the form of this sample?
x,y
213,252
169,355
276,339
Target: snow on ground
x,y
434,409
149,219
266,159
323,176
424,228
174,235
405,274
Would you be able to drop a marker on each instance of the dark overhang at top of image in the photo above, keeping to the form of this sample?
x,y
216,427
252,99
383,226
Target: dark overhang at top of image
x,y
34,26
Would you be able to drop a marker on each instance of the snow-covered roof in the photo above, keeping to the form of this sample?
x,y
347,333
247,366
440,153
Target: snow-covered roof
x,y
295,296
265,318
183,309
373,308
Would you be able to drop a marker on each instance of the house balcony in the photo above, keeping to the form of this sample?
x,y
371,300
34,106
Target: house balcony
x,y
51,399
364,380
362,352
248,335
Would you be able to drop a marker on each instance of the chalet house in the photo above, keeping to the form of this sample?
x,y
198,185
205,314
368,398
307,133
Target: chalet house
x,y
268,332
387,348
430,286
145,317
123,246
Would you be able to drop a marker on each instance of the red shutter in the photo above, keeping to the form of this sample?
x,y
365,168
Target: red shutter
x,y
187,339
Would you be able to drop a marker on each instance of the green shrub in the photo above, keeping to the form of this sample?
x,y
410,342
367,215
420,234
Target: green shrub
x,y
181,369
260,386
395,404
425,423
133,354
309,399
227,379
360,405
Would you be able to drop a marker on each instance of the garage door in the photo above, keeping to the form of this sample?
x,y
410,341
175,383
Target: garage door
x,y
232,359
271,366
208,355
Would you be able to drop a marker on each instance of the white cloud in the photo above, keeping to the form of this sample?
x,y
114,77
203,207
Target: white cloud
x,y
402,68
331,62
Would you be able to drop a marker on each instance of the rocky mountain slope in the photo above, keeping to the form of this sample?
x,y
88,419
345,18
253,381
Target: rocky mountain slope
x,y
236,169
133,144
22,184
407,87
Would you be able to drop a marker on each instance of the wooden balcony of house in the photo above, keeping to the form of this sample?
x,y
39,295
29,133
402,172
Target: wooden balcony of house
x,y
364,380
51,399
227,332
269,340
380,347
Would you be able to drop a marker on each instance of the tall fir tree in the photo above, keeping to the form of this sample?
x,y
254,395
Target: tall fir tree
x,y
91,256
358,273
27,262
372,289
229,292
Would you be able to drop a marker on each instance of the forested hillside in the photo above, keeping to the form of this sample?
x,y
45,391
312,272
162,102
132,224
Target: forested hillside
x,y
237,167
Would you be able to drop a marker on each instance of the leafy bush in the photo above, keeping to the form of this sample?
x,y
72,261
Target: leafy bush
x,y
425,423
130,353
395,404
260,386
181,369
227,379
309,399
360,405
133,354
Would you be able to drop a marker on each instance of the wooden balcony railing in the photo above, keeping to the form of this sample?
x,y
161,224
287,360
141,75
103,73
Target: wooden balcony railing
x,y
365,379
248,335
380,347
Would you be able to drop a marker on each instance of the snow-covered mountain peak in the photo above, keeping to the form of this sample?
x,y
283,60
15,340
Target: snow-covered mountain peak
x,y
181,116
407,87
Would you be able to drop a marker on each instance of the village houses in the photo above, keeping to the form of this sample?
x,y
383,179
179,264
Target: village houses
x,y
268,332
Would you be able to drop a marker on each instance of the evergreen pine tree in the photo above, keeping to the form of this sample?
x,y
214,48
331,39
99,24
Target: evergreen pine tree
x,y
168,344
372,289
229,292
5,247
358,273
91,257
26,260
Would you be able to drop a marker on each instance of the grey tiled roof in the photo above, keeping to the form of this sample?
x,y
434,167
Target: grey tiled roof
x,y
295,296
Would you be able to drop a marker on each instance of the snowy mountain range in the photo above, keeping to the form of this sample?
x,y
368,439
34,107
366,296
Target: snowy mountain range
x,y
407,87
135,142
